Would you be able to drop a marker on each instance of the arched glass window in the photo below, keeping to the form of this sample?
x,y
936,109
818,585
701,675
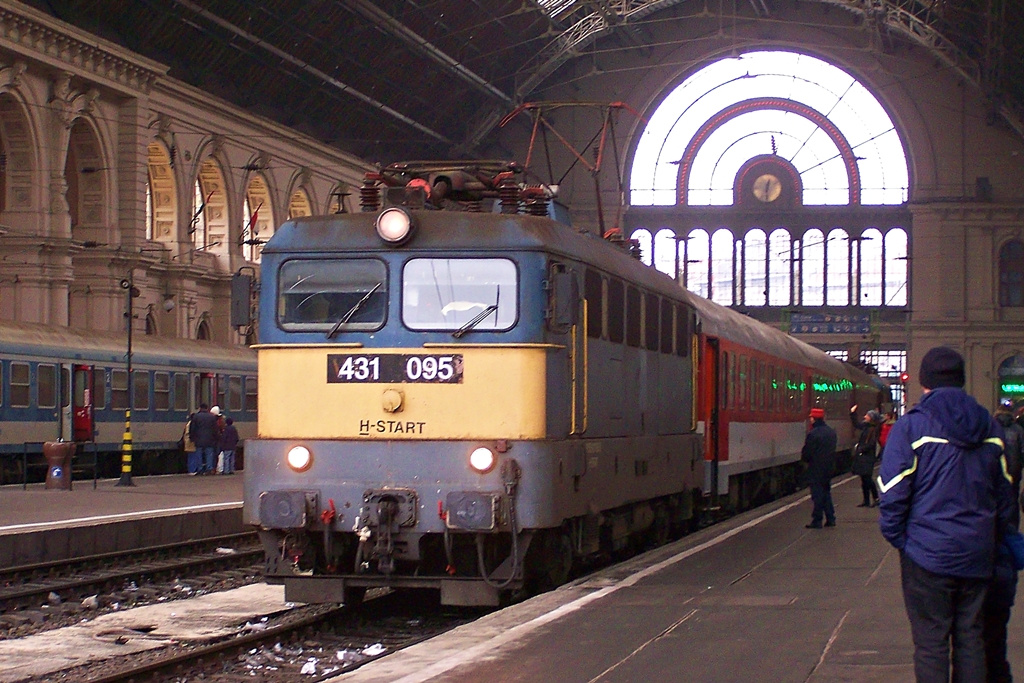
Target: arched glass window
x,y
838,268
1011,274
812,268
811,113
198,228
203,330
299,204
665,251
698,261
150,324
644,238
721,267
896,267
779,260
149,208
871,268
754,268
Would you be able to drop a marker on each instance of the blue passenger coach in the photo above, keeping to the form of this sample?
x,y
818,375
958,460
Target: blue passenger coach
x,y
58,383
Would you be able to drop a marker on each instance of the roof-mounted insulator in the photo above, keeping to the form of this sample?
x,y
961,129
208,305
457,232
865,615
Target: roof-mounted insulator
x,y
369,196
536,199
508,193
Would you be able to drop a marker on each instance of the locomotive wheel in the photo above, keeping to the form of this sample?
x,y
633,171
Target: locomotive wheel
x,y
354,595
554,560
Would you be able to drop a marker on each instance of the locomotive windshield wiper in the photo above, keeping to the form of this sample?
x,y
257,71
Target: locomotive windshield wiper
x,y
352,311
475,321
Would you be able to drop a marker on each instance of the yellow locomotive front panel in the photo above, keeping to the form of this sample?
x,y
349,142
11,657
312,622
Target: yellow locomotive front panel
x,y
329,391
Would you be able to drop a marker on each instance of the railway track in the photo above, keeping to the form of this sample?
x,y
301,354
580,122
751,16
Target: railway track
x,y
309,643
36,597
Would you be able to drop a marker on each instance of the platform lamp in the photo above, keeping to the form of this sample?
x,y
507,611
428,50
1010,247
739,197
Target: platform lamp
x,y
131,292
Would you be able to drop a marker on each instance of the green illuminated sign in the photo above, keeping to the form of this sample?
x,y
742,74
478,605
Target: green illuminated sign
x,y
841,385
1012,388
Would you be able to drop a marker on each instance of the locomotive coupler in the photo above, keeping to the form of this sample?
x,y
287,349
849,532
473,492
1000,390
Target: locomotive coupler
x,y
387,510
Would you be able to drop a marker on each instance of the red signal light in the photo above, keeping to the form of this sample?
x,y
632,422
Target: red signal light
x,y
904,377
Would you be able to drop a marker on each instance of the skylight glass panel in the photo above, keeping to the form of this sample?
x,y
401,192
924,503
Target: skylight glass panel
x,y
802,79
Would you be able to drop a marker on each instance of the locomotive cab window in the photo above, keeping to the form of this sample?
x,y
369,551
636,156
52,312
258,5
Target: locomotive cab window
x,y
333,296
453,294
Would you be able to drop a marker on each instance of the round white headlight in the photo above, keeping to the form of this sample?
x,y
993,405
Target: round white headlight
x,y
482,459
299,458
394,225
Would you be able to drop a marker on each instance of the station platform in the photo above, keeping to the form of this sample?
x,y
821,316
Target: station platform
x,y
45,525
756,598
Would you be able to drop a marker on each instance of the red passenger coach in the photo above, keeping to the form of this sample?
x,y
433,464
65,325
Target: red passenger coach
x,y
756,386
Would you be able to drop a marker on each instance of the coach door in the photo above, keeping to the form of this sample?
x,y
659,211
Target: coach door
x,y
205,390
82,413
565,315
710,391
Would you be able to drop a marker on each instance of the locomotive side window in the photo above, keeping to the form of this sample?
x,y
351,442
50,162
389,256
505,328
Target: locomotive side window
x,y
46,380
20,385
651,311
616,310
119,389
251,394
141,398
452,294
633,316
181,391
161,390
593,291
666,326
333,296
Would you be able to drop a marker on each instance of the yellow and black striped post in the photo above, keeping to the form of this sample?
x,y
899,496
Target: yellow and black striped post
x,y
126,452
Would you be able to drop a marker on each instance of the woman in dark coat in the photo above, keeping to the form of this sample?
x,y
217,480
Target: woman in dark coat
x,y
864,454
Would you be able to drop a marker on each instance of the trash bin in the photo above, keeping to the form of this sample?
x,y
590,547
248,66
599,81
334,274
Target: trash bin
x,y
58,463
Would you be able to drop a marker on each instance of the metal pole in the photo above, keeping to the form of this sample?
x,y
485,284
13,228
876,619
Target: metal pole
x,y
126,444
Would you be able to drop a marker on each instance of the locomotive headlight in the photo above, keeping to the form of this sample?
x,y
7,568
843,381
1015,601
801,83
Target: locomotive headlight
x,y
299,458
482,460
395,226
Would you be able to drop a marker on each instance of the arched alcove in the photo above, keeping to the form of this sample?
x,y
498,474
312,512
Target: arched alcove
x,y
162,203
257,217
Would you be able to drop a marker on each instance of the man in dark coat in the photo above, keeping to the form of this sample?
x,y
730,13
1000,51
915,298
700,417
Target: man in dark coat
x,y
819,452
205,435
946,501
1002,591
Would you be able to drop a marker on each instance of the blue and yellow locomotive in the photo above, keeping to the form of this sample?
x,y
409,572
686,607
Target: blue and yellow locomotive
x,y
470,400
461,393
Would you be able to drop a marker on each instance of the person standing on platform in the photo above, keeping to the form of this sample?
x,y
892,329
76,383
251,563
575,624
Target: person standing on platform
x,y
864,453
203,431
945,502
192,460
1003,590
228,444
819,452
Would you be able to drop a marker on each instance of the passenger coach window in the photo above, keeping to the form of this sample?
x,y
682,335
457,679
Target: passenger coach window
x,y
250,394
181,391
319,294
141,399
161,391
234,393
20,383
119,389
451,294
46,376
99,388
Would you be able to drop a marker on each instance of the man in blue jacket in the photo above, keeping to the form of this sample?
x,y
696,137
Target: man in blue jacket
x,y
946,499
